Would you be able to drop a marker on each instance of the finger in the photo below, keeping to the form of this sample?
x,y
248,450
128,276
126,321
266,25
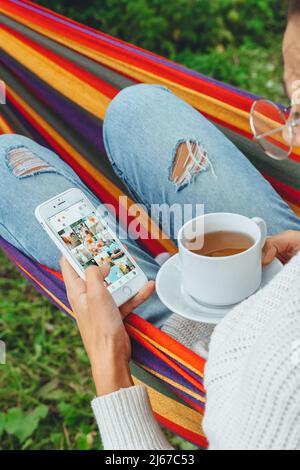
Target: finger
x,y
97,293
105,268
69,274
75,286
269,252
138,299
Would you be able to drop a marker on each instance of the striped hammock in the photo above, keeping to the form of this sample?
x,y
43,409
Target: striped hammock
x,y
60,77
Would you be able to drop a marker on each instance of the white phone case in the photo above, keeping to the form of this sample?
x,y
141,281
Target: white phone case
x,y
120,295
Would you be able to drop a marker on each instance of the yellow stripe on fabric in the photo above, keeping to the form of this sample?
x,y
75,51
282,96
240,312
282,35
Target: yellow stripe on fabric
x,y
206,104
113,190
56,76
166,351
4,127
219,109
173,383
180,414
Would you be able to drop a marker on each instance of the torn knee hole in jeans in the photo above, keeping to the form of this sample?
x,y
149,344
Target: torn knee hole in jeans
x,y
190,159
23,162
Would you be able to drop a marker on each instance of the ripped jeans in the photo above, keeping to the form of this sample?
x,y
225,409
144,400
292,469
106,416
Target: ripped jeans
x,y
164,151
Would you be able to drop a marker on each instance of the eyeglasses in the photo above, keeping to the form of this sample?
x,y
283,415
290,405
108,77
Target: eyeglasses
x,y
274,128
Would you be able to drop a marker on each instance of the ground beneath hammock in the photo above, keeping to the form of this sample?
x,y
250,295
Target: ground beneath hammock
x,y
45,384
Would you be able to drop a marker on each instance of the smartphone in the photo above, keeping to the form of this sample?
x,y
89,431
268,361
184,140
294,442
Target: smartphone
x,y
85,239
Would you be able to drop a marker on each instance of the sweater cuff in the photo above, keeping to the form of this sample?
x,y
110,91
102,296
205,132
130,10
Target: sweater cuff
x,y
126,421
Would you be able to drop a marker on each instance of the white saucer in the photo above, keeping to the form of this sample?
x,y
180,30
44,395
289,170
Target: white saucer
x,y
168,287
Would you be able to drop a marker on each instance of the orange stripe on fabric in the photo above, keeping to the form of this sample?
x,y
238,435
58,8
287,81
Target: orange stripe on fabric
x,y
180,352
56,76
65,33
181,415
295,208
147,344
5,128
105,88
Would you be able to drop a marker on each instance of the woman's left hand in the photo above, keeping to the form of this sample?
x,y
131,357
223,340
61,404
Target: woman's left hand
x,y
282,246
101,326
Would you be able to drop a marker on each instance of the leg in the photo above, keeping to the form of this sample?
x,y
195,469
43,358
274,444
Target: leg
x,y
167,152
31,174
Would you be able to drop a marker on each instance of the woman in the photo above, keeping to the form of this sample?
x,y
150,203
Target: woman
x,y
165,152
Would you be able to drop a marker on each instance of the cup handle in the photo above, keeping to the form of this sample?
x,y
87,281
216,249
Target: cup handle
x,y
262,227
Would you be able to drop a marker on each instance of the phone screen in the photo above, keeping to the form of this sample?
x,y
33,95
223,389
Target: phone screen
x,y
91,242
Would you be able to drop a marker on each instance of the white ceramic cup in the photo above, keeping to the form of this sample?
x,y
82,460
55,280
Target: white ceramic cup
x,y
221,281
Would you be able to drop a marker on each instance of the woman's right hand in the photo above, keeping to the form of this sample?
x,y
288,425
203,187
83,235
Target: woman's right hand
x,y
101,326
282,246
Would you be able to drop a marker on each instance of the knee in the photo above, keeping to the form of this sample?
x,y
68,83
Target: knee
x,y
130,108
13,140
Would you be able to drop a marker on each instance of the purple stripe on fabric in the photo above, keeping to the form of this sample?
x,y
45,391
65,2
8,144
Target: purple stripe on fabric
x,y
51,282
71,114
152,361
142,53
31,130
149,360
193,374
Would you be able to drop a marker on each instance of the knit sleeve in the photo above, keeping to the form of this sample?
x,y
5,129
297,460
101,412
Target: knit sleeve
x,y
194,335
126,421
252,376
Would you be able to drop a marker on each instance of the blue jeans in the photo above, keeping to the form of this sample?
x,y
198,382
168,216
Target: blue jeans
x,y
144,125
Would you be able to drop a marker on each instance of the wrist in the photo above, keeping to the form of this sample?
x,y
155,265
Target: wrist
x,y
111,375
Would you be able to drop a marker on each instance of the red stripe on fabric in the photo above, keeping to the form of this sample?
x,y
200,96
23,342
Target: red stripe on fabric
x,y
199,408
71,67
225,124
161,69
87,28
287,192
236,130
190,436
162,338
51,271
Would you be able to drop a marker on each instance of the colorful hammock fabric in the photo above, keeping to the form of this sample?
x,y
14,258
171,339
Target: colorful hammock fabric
x,y
60,77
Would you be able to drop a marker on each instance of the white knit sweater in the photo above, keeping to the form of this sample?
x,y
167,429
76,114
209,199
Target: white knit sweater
x,y
252,377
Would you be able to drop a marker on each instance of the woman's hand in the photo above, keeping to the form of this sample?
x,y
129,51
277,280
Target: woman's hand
x,y
101,326
282,246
